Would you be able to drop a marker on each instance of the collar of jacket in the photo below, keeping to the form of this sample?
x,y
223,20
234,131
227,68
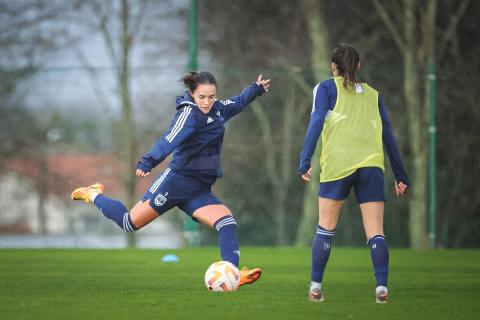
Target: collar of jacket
x,y
185,99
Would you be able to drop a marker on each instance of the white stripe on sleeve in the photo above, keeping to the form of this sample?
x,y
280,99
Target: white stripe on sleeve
x,y
314,96
179,124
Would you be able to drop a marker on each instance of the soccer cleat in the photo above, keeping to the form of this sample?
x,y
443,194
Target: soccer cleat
x,y
315,295
85,193
381,296
248,276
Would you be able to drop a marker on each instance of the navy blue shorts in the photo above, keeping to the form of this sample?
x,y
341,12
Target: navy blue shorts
x,y
172,189
368,184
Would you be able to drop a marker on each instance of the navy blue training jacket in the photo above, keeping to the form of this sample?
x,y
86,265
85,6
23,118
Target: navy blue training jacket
x,y
196,138
324,99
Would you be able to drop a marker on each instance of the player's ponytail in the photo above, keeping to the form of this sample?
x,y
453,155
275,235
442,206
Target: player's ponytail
x,y
346,58
192,79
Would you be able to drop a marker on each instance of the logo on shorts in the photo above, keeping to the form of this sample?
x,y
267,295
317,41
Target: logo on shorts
x,y
161,199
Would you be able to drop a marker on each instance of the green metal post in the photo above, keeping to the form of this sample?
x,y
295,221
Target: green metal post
x,y
191,227
432,135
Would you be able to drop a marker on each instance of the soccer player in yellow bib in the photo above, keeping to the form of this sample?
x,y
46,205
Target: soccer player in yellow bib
x,y
354,126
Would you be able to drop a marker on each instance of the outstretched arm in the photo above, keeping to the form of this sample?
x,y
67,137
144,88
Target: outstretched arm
x,y
234,105
182,127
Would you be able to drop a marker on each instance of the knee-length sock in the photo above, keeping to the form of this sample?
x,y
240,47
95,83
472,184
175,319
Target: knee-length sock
x,y
227,239
379,253
116,211
321,252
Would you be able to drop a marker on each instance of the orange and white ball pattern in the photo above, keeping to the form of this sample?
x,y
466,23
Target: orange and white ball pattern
x,y
222,276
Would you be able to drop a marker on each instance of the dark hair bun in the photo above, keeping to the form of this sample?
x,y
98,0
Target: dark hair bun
x,y
192,79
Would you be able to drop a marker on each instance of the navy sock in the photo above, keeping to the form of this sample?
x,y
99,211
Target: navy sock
x,y
321,252
379,252
227,239
116,211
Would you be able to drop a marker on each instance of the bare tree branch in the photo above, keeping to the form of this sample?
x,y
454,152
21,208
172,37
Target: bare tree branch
x,y
298,79
397,37
267,137
426,52
137,22
449,34
288,121
93,76
103,25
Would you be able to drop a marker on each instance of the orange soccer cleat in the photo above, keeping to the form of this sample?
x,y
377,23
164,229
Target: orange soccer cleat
x,y
248,276
85,193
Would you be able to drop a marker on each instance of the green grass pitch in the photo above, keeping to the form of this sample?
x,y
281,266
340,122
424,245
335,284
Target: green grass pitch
x,y
136,284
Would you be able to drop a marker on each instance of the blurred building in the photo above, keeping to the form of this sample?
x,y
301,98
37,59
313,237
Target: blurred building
x,y
36,202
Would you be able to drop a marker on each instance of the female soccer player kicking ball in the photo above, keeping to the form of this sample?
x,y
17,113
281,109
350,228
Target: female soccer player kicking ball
x,y
353,123
195,137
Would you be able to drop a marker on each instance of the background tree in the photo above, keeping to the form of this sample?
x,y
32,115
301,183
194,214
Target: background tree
x,y
22,55
290,42
119,31
274,121
319,57
416,43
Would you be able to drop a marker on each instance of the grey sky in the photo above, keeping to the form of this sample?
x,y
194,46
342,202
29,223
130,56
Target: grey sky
x,y
66,84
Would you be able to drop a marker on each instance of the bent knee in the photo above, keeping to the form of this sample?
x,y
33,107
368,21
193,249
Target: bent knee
x,y
210,214
142,214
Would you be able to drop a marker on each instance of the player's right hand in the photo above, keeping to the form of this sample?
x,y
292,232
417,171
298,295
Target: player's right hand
x,y
141,173
307,175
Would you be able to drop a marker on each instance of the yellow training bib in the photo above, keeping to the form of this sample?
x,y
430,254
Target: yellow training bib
x,y
352,133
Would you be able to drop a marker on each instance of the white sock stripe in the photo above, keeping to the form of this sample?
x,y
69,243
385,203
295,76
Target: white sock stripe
x,y
376,237
129,226
221,223
325,233
157,183
127,214
124,225
179,124
225,222
229,219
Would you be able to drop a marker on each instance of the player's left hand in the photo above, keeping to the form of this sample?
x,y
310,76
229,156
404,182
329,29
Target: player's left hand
x,y
264,83
400,188
307,175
